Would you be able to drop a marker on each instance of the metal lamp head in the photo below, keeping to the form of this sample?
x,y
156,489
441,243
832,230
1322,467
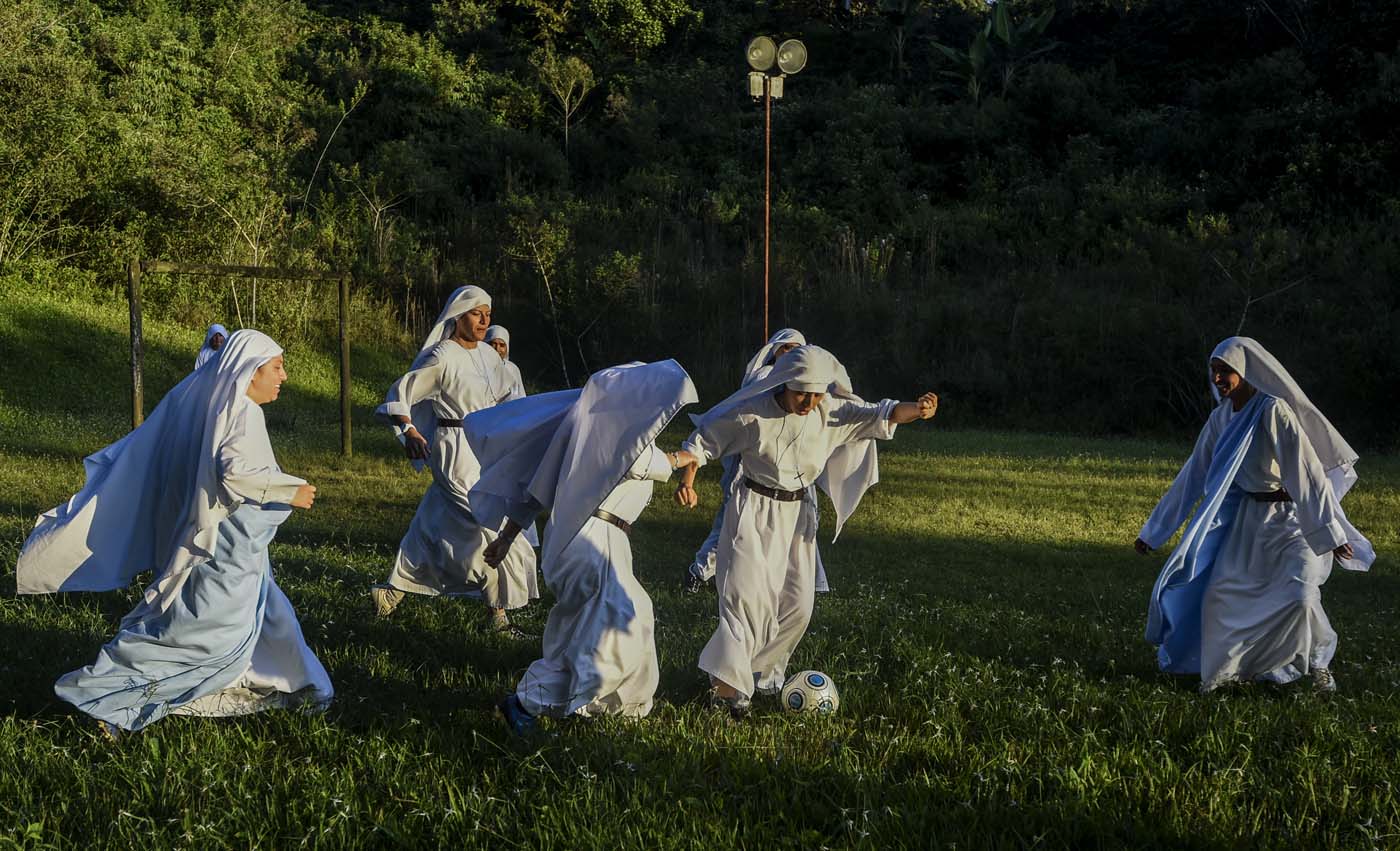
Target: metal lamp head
x,y
792,56
761,53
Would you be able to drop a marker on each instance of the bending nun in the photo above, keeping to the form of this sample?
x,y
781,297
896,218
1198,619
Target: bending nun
x,y
1240,598
195,494
789,431
440,554
588,457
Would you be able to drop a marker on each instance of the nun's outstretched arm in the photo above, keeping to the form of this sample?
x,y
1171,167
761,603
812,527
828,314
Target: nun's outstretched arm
x,y
922,409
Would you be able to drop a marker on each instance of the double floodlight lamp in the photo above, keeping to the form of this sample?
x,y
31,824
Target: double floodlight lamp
x,y
763,53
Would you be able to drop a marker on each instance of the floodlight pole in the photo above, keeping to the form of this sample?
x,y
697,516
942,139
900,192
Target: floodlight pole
x,y
767,171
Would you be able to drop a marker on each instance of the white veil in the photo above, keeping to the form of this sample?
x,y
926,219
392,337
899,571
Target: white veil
x,y
1263,371
423,415
760,359
154,499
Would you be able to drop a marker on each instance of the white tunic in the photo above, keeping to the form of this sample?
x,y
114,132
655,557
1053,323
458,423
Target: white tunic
x,y
1262,616
516,383
441,552
599,643
766,562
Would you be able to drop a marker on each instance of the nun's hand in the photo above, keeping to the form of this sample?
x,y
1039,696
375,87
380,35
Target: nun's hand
x,y
1141,546
496,551
928,406
686,496
414,446
305,498
1344,551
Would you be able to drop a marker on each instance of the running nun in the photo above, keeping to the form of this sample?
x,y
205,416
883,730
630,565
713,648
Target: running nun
x,y
702,569
440,554
789,430
196,495
1240,598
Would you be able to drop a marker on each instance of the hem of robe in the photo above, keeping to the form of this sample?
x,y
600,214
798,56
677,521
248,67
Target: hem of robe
x,y
240,700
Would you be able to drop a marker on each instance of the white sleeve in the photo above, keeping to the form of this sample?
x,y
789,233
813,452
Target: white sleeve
x,y
651,464
853,421
1305,481
1186,489
248,481
415,386
724,436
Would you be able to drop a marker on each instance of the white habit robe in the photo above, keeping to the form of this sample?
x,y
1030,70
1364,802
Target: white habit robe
x,y
441,552
599,644
704,565
766,562
1261,614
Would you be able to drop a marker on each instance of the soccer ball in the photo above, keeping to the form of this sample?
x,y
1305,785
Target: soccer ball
x,y
811,691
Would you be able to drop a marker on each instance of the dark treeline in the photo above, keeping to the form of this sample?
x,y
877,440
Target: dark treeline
x,y
1049,212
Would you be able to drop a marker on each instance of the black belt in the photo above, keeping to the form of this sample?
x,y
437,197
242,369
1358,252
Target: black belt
x,y
444,423
608,517
1271,496
773,493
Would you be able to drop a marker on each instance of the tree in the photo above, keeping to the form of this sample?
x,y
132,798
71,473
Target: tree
x,y
569,80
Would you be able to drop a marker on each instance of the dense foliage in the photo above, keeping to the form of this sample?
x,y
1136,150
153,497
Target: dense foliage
x,y
1049,219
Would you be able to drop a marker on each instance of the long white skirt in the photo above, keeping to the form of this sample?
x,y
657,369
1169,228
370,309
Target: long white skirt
x,y
599,642
706,560
765,579
441,554
1261,615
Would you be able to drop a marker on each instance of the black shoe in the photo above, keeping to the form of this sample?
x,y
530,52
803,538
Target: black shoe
x,y
738,706
519,721
692,584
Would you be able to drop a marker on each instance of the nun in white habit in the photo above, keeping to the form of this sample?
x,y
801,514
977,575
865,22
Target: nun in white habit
x,y
196,495
702,569
214,340
499,339
789,431
453,376
590,459
1240,598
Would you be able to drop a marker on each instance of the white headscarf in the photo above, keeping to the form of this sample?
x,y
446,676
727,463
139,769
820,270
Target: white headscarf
x,y
462,300
154,499
1263,372
570,458
766,353
852,469
206,351
499,332
424,415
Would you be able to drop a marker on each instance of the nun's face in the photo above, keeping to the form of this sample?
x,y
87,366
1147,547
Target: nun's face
x,y
783,349
798,402
472,325
500,346
1227,382
216,342
267,381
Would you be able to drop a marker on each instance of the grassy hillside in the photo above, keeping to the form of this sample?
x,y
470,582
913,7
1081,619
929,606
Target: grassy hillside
x,y
984,628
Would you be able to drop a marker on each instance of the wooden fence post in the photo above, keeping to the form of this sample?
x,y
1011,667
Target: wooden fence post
x,y
345,448
133,299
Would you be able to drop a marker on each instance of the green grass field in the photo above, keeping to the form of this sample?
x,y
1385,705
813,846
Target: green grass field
x,y
985,629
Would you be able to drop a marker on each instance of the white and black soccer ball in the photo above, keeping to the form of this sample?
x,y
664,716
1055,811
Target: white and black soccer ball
x,y
811,691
